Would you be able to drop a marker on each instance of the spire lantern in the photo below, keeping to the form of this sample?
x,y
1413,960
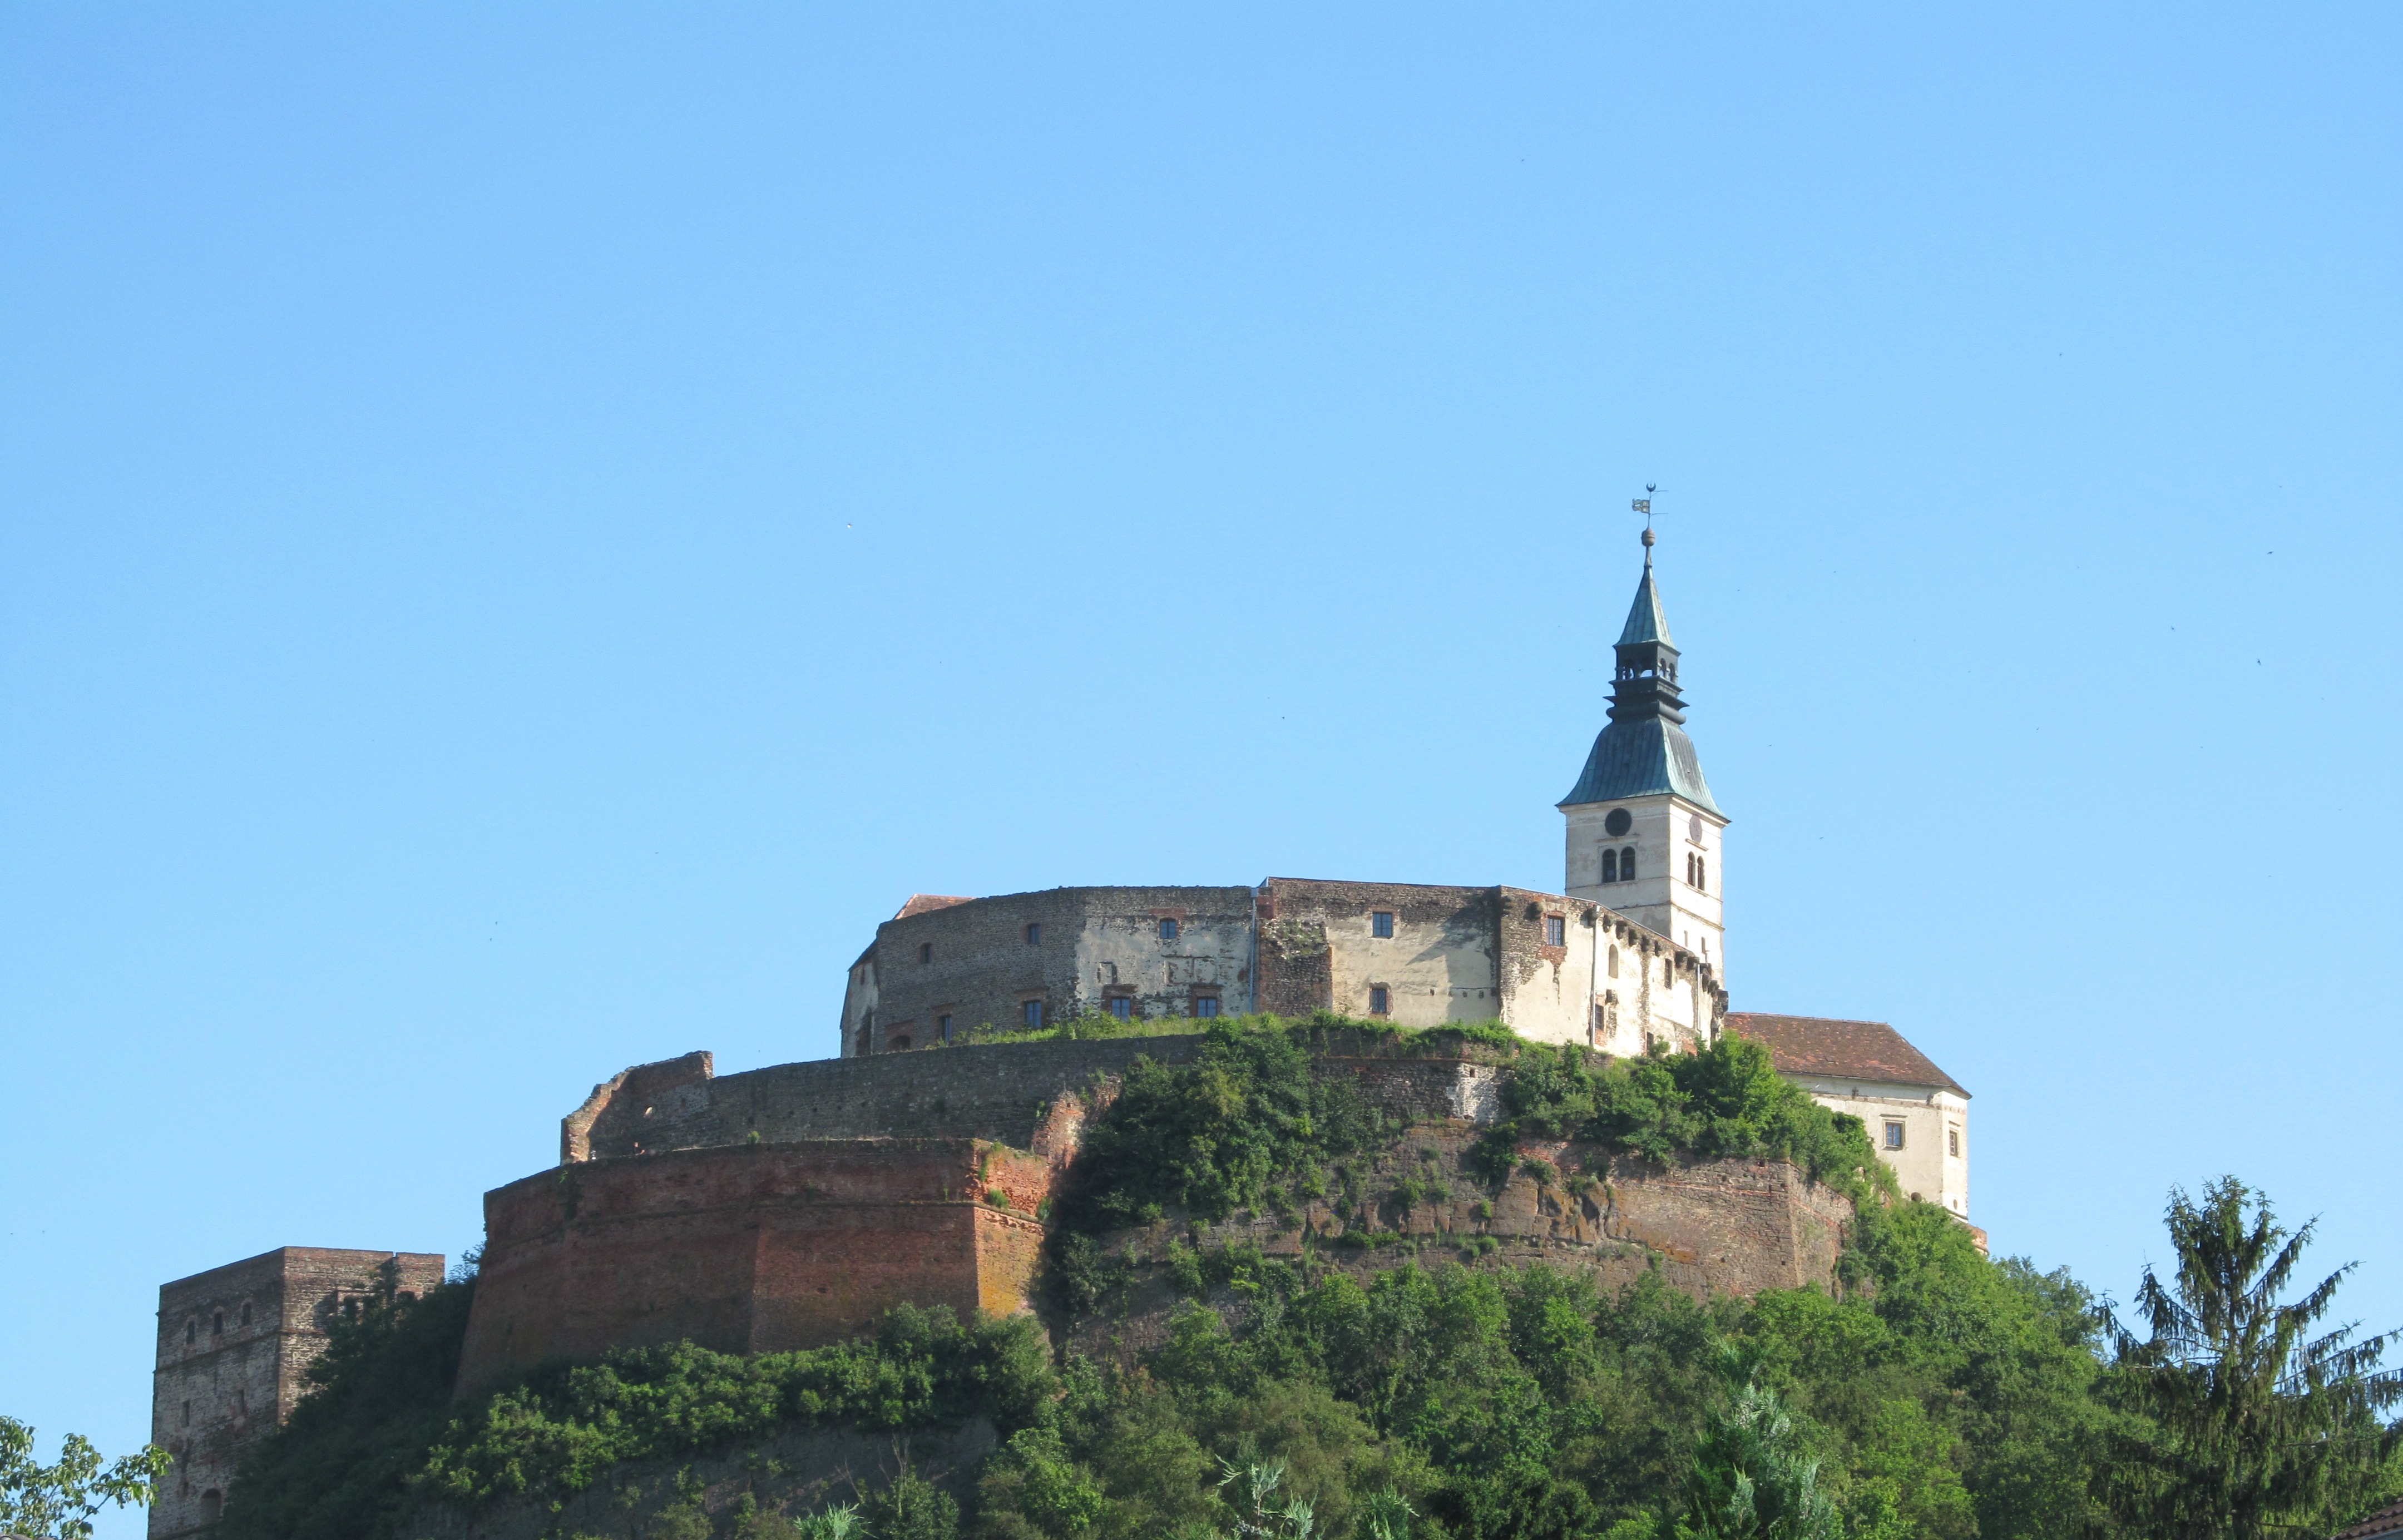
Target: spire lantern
x,y
1644,833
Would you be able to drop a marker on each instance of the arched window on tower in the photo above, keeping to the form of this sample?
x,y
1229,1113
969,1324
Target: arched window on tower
x,y
1627,864
1610,866
1701,874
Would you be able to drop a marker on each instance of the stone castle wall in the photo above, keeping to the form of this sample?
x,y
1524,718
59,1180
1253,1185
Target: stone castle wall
x,y
234,1345
792,1206
753,1248
945,970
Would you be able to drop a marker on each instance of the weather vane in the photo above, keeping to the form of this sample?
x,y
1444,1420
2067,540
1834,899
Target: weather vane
x,y
1643,506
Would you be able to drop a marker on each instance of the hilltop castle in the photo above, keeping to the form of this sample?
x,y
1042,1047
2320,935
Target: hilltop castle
x,y
1630,955
792,1204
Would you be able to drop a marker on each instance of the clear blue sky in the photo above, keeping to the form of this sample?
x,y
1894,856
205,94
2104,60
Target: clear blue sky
x,y
529,530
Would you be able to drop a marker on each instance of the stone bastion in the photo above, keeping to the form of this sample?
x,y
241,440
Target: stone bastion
x,y
791,1206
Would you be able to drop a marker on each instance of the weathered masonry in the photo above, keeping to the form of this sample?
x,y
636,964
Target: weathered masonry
x,y
1554,968
1630,955
233,1342
792,1206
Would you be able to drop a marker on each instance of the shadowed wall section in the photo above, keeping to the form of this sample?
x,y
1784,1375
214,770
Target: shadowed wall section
x,y
750,1249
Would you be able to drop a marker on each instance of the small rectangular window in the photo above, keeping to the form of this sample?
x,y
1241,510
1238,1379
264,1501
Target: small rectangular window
x,y
1206,1004
1556,930
1122,1007
1894,1136
1034,935
1034,1013
1381,923
1380,1002
943,1025
1952,1137
925,951
1168,930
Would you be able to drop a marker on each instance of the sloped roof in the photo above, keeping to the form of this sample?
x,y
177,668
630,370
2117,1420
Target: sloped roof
x,y
1646,620
1841,1050
926,903
2385,1521
1640,759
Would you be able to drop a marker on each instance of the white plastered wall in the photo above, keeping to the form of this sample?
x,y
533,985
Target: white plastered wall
x,y
1662,832
1928,1165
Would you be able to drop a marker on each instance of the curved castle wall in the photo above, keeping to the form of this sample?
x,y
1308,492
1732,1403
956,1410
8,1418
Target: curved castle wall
x,y
792,1206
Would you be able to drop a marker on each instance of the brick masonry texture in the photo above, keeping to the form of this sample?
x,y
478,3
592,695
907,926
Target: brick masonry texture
x,y
755,1248
876,1181
233,1344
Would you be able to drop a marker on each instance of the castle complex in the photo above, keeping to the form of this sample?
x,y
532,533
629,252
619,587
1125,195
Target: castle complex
x,y
791,1205
1629,955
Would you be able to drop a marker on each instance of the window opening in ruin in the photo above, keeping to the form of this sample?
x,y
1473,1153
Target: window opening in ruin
x,y
1610,866
192,1332
1034,1013
218,1328
1168,930
1952,1137
187,1414
1380,1002
1206,1004
1627,864
1556,930
925,951
1122,1007
1034,934
899,1044
1381,923
943,1025
212,1504
1614,962
1894,1136
245,1312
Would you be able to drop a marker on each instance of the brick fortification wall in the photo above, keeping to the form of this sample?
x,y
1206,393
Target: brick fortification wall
x,y
232,1345
790,1207
754,1248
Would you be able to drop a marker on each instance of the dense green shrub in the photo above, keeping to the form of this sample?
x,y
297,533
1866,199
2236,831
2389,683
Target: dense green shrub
x,y
379,1396
1211,1136
1724,1101
561,1431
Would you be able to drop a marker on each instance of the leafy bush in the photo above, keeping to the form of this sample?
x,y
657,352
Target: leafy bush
x,y
561,1431
379,1396
1211,1135
1726,1101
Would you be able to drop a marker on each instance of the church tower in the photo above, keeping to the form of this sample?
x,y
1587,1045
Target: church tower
x,y
1644,835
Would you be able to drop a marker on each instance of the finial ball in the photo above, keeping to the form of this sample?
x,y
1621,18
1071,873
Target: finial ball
x,y
1647,537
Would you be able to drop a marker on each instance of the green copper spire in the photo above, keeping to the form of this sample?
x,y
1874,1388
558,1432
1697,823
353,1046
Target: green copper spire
x,y
1644,751
1645,621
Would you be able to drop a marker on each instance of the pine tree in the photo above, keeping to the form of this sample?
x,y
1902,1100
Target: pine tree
x,y
2252,1428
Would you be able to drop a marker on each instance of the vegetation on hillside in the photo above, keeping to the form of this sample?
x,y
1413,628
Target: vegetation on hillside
x,y
1937,1394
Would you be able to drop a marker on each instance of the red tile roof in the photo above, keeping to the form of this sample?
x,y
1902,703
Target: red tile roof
x,y
926,903
2385,1521
1841,1050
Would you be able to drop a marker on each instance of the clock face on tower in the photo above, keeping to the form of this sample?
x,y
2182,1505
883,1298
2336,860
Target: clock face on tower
x,y
1618,822
1694,828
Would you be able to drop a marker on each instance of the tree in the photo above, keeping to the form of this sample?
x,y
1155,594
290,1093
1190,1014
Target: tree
x,y
1751,1479
2255,1427
61,1499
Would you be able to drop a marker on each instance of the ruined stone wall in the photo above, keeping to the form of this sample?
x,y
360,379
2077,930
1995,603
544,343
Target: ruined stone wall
x,y
999,1091
983,962
754,1248
1724,1227
233,1344
1438,965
